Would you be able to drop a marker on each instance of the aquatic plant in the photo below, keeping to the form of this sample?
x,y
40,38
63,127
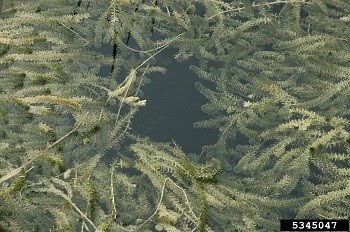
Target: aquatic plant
x,y
69,159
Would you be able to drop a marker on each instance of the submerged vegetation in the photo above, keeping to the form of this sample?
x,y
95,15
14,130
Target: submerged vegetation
x,y
70,161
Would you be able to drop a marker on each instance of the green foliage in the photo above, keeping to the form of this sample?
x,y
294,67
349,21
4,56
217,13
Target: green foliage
x,y
70,161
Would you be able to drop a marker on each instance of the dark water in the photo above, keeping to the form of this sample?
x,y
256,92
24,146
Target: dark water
x,y
173,105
